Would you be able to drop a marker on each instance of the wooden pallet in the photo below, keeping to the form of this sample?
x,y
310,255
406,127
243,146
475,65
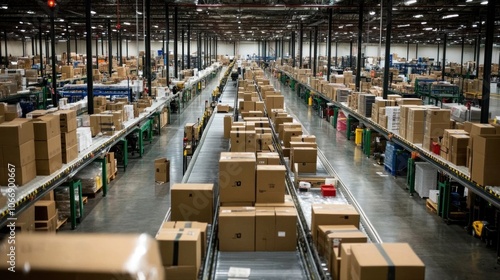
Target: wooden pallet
x,y
93,195
85,199
60,223
112,177
431,206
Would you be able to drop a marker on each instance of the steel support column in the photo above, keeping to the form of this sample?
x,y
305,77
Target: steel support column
x,y
315,50
54,58
359,59
68,46
408,51
387,47
189,47
88,41
148,45
310,49
444,57
182,49
301,44
462,57
416,51
176,58
329,44
167,48
293,48
40,45
488,53
96,51
350,54
110,50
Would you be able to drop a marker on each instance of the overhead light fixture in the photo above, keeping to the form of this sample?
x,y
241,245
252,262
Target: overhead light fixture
x,y
21,22
372,13
484,3
428,28
155,26
30,12
126,23
341,26
139,13
474,25
61,20
424,22
199,9
418,16
410,2
403,25
4,6
93,12
450,16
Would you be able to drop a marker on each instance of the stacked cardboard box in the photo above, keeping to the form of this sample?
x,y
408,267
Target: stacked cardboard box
x,y
68,126
414,125
17,146
99,104
446,143
180,250
481,153
274,102
84,136
404,110
275,228
45,215
236,228
304,159
474,130
268,158
237,178
47,144
332,214
188,225
270,183
393,118
436,121
458,149
162,170
192,202
365,102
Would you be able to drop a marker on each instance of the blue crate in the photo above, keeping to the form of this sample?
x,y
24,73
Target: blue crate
x,y
396,159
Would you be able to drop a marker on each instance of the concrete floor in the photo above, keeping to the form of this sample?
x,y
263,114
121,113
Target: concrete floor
x,y
136,204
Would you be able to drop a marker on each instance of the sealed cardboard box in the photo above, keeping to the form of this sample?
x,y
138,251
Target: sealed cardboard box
x,y
68,139
238,141
23,174
222,108
485,160
344,272
48,166
189,130
332,214
250,141
19,155
304,154
286,229
437,116
46,127
264,141
268,158
69,154
67,120
265,228
45,209
270,185
236,229
48,149
337,235
228,121
181,272
304,138
162,170
187,225
192,202
304,167
95,125
180,246
101,256
17,132
237,177
372,261
289,133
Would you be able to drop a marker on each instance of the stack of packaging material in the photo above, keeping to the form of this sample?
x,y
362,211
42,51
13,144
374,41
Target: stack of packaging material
x,y
393,117
69,142
46,215
84,137
436,121
48,152
91,178
365,102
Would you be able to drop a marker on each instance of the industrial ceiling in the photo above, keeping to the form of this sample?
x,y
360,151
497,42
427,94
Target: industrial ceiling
x,y
421,21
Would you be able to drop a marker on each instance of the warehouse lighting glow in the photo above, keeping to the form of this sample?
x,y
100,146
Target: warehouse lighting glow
x,y
418,16
484,3
5,7
372,13
410,2
424,22
93,12
450,16
30,12
428,28
126,23
403,25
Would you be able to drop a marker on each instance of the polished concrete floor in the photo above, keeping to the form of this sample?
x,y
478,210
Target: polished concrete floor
x,y
136,204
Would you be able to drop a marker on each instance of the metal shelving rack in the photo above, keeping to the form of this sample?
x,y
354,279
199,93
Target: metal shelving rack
x,y
78,92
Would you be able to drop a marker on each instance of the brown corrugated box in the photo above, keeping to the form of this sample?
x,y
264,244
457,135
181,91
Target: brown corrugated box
x,y
228,120
268,158
67,120
236,229
288,202
69,154
303,154
265,228
162,170
286,229
263,141
68,139
485,162
187,225
237,177
192,202
238,141
345,256
332,214
183,272
303,138
18,155
46,127
330,236
17,132
23,174
180,247
270,183
372,261
48,148
48,166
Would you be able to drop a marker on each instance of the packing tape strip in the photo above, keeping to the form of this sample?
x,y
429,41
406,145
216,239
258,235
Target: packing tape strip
x,y
175,261
391,274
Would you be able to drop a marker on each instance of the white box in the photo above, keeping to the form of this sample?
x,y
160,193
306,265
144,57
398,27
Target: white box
x,y
434,195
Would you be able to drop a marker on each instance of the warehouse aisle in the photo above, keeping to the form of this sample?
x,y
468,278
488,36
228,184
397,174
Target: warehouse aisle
x,y
135,203
447,251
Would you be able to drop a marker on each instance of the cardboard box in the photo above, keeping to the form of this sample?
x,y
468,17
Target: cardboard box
x,y
183,272
265,228
101,256
17,132
332,214
345,261
228,121
305,167
238,141
286,229
70,154
331,237
264,141
288,202
288,133
270,185
237,177
67,120
250,141
438,116
304,138
49,148
268,158
48,166
95,125
18,155
23,174
46,127
192,202
68,139
162,170
304,154
45,209
180,246
485,161
222,108
188,225
372,261
236,229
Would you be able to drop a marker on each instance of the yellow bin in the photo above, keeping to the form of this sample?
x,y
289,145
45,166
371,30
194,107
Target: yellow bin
x,y
310,101
359,136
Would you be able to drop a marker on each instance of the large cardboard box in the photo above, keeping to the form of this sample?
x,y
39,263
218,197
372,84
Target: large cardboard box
x,y
46,127
485,162
182,272
237,177
288,202
228,121
187,225
180,247
100,256
270,185
48,166
268,158
288,133
250,141
304,138
236,229
264,141
332,214
162,170
69,154
286,229
438,116
95,125
238,141
265,228
44,210
304,154
68,139
345,255
192,202
18,155
331,236
23,174
49,148
373,262
304,167
17,132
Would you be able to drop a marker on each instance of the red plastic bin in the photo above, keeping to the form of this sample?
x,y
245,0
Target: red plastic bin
x,y
328,190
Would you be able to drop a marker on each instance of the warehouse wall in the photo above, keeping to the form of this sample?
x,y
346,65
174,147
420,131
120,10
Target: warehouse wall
x,y
244,48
